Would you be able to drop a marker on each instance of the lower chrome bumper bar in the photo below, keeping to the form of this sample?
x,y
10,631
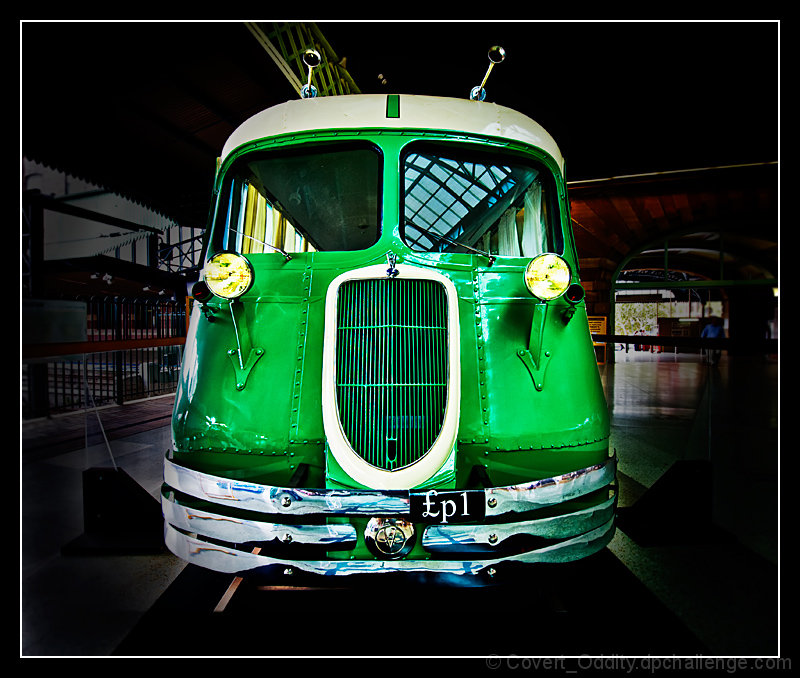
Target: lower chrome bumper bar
x,y
444,537
238,530
233,561
205,533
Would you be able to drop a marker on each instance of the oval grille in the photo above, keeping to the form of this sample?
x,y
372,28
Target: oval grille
x,y
391,368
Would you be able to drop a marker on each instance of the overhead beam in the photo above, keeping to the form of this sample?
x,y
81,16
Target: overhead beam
x,y
275,55
688,284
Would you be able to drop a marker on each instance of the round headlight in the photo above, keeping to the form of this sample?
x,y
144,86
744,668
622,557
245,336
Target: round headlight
x,y
228,275
547,276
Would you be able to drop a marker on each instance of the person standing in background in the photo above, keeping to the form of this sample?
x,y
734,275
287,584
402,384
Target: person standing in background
x,y
714,330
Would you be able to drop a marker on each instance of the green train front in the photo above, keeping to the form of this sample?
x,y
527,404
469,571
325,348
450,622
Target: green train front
x,y
389,367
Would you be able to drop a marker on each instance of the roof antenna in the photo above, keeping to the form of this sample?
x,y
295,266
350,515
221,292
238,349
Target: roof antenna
x,y
496,56
312,59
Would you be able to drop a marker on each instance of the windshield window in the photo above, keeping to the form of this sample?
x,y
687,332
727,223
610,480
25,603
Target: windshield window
x,y
458,200
327,199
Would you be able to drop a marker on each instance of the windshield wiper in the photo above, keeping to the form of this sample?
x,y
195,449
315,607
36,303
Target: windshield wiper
x,y
444,238
266,244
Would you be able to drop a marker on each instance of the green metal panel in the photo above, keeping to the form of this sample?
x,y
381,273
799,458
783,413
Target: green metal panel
x,y
393,106
263,431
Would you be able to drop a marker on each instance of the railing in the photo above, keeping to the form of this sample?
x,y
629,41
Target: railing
x,y
742,346
133,350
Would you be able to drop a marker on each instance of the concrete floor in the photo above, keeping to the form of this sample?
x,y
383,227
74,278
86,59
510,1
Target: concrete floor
x,y
84,605
666,408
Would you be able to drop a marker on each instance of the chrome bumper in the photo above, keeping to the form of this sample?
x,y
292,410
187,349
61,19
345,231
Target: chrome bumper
x,y
214,540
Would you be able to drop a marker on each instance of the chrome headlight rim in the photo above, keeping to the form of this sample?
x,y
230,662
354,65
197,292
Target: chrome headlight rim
x,y
541,284
216,286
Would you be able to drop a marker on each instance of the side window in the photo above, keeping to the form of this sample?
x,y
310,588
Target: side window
x,y
254,225
456,199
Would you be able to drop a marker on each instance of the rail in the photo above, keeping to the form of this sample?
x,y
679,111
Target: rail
x,y
752,345
133,350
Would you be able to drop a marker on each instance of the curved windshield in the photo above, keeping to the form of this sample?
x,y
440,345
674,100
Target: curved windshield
x,y
319,200
461,200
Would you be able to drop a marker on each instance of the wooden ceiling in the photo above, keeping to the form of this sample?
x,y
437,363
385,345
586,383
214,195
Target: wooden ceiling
x,y
616,218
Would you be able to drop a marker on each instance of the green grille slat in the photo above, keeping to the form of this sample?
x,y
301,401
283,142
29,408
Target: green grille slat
x,y
391,368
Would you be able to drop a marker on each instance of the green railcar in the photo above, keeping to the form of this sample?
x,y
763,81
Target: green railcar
x,y
389,367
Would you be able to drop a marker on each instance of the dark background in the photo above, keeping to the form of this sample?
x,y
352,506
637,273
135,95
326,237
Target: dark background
x,y
144,107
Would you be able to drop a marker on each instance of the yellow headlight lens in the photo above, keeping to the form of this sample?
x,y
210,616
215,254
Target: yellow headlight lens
x,y
547,276
228,275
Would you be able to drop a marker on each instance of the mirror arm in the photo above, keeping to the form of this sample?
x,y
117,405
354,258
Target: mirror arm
x,y
496,56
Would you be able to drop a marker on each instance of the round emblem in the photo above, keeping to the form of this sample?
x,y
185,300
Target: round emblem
x,y
389,537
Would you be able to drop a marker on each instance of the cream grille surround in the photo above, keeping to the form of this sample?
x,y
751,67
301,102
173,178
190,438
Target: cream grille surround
x,y
401,419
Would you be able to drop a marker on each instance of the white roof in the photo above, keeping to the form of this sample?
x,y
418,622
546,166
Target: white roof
x,y
416,112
